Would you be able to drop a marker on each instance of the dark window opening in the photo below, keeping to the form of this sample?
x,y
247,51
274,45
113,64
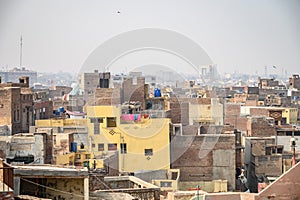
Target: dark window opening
x,y
96,120
123,147
112,147
111,122
177,130
280,150
148,152
101,147
96,128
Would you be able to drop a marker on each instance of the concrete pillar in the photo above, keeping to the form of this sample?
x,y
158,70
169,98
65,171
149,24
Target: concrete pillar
x,y
86,188
17,182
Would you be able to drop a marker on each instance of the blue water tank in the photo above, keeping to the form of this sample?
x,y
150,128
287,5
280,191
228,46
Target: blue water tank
x,y
61,109
295,98
73,147
157,92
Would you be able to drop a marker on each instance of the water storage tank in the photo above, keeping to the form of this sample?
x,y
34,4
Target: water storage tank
x,y
157,92
61,109
73,147
295,98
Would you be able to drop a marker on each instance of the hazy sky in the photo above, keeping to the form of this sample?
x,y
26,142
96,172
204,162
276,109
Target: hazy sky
x,y
238,35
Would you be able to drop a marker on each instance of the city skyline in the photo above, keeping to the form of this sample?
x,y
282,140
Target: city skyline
x,y
238,36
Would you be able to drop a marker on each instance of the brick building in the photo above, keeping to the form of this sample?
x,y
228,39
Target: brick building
x,y
14,74
267,83
16,106
260,126
294,82
43,107
263,158
135,89
204,157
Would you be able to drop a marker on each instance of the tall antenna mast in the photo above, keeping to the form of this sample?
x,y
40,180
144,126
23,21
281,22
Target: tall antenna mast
x,y
21,45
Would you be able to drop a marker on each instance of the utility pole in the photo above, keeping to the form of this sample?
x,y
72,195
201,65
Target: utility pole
x,y
21,46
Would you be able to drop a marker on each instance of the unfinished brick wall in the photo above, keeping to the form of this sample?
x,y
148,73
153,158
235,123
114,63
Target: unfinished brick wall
x,y
259,112
26,99
260,127
232,113
294,81
41,106
204,157
133,89
106,97
16,110
175,108
5,107
180,108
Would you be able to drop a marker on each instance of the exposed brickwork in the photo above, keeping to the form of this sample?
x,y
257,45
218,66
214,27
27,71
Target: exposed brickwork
x,y
294,81
43,109
16,106
260,127
180,108
133,89
175,110
59,91
105,96
204,157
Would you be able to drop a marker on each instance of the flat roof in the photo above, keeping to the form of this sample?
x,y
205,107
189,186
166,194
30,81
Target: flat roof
x,y
49,171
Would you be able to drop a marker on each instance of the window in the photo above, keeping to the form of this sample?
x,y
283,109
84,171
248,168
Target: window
x,y
96,120
101,147
112,147
78,156
54,139
166,184
111,122
93,145
123,147
96,128
87,156
148,152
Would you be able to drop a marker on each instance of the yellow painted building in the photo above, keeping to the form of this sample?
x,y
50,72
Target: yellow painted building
x,y
142,143
60,122
291,115
80,158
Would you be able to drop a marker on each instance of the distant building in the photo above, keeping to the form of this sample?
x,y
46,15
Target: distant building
x,y
294,82
88,82
268,83
208,74
14,74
